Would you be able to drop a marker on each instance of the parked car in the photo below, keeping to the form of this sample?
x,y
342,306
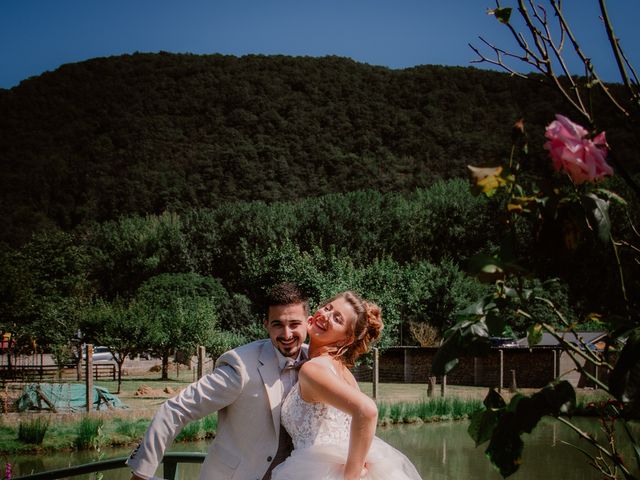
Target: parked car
x,y
141,356
100,354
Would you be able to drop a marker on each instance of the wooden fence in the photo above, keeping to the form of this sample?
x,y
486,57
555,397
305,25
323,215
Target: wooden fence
x,y
51,373
502,368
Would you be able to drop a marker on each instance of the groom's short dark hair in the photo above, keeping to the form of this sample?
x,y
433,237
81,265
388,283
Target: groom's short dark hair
x,y
286,293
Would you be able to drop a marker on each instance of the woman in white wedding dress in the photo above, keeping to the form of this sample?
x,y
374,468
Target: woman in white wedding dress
x,y
332,423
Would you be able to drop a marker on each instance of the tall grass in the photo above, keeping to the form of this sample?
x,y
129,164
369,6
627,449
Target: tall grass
x,y
133,429
87,431
199,429
191,431
210,425
428,410
33,431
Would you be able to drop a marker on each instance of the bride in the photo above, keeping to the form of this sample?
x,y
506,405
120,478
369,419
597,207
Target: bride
x,y
332,423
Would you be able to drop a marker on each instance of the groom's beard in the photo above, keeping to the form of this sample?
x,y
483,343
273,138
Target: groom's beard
x,y
288,349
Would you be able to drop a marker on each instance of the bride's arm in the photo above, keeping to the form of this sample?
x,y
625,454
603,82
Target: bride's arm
x,y
319,384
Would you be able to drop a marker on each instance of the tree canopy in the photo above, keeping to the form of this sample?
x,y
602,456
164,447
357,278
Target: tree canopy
x,y
145,133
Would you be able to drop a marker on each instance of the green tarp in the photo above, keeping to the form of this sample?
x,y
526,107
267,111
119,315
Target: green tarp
x,y
65,397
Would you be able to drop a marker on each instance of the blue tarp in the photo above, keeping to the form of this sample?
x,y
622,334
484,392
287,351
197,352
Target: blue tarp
x,y
65,397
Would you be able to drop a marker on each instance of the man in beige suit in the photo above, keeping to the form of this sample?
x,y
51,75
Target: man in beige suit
x,y
246,388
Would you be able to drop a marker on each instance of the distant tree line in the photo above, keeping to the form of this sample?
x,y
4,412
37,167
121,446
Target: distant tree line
x,y
169,282
148,133
148,201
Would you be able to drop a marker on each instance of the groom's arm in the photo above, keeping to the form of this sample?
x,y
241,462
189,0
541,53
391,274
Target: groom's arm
x,y
204,397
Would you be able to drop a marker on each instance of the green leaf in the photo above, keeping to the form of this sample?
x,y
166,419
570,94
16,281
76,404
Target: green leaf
x,y
494,401
624,381
486,267
559,398
483,423
477,310
534,334
464,338
446,358
611,196
505,448
496,324
553,399
503,15
632,439
484,263
521,416
598,214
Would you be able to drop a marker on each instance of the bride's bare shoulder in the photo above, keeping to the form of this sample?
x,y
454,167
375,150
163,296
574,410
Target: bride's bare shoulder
x,y
316,363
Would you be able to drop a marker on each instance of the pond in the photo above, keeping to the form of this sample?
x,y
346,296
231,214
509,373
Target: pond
x,y
439,450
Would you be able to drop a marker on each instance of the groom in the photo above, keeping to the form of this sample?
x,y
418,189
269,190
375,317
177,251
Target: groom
x,y
246,388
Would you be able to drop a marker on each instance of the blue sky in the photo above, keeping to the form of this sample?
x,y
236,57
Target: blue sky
x,y
40,35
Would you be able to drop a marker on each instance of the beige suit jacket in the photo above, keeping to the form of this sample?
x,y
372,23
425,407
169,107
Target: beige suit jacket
x,y
246,391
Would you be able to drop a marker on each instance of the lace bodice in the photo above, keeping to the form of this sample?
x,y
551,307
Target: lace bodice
x,y
313,423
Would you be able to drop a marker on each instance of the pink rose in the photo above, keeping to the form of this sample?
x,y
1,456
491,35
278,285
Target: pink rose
x,y
570,149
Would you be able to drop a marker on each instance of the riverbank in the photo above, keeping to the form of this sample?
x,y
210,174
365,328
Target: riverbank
x,y
113,429
397,403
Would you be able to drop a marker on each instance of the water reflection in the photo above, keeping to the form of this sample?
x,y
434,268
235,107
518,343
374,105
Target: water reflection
x,y
440,451
445,451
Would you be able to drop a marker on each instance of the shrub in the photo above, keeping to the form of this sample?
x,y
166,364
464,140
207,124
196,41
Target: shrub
x,y
87,431
191,431
33,431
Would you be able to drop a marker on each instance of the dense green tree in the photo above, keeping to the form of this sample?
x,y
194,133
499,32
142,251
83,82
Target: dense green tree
x,y
43,289
182,311
124,326
128,251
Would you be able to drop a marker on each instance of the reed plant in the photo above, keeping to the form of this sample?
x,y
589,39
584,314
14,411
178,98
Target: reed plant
x,y
428,410
132,429
87,431
33,431
210,425
191,431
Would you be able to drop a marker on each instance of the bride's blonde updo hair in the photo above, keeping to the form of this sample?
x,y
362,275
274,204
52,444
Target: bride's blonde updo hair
x,y
365,329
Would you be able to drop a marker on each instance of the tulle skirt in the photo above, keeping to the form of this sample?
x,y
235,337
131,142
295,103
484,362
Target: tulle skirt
x,y
326,462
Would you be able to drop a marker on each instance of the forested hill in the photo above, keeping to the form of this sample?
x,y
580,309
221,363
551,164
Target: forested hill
x,y
148,132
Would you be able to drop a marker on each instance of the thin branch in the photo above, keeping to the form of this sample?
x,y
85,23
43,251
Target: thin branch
x,y
595,462
615,457
574,351
584,59
499,62
614,45
535,33
633,72
620,273
594,358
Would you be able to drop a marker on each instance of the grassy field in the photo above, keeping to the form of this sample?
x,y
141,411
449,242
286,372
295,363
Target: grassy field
x,y
143,392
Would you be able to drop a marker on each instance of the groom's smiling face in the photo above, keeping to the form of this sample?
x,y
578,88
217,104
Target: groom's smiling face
x,y
287,327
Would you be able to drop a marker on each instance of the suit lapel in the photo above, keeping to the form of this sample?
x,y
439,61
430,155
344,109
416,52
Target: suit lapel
x,y
270,374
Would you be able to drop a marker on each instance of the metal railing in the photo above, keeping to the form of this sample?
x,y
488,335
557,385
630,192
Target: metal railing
x,y
170,467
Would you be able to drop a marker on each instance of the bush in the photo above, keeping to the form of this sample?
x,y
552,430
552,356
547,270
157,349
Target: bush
x,y
191,431
33,431
131,428
87,432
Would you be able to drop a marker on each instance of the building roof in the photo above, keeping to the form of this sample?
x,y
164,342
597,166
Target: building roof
x,y
592,339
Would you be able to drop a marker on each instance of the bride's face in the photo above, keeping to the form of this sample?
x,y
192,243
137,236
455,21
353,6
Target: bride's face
x,y
333,323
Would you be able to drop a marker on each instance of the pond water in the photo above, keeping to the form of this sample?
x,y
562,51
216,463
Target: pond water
x,y
439,450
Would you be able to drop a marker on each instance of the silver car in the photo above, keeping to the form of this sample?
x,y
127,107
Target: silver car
x,y
101,354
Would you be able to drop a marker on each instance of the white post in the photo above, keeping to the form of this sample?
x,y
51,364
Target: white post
x,y
376,373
